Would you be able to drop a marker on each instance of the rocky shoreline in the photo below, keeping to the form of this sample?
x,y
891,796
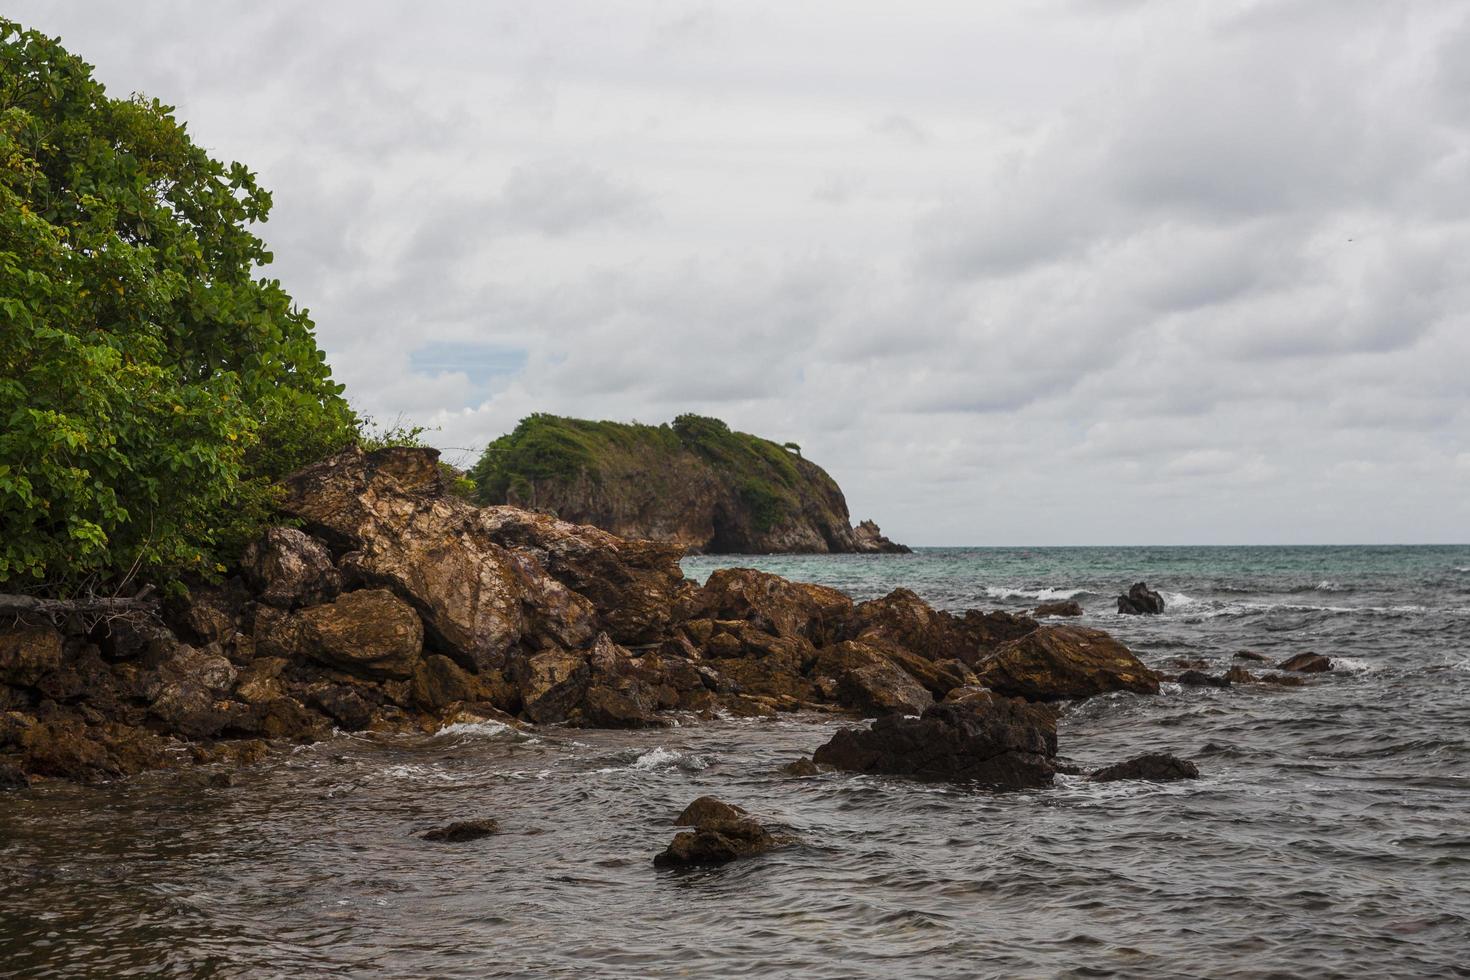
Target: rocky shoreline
x,y
395,606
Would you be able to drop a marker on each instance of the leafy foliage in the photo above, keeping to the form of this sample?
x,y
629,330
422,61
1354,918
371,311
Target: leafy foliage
x,y
549,449
151,386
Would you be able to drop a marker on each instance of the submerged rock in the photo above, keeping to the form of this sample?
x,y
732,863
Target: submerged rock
x,y
722,832
1140,600
1155,767
1065,662
1239,675
801,767
1251,655
1068,607
1198,678
463,830
984,738
1306,663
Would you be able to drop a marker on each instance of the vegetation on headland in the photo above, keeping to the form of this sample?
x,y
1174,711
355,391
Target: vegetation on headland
x,y
547,451
153,385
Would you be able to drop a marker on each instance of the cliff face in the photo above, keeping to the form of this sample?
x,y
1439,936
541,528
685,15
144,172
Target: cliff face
x,y
695,484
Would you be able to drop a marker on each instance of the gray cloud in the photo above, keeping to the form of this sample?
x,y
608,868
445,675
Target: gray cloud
x,y
1023,273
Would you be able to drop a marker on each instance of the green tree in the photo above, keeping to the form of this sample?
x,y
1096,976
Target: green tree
x,y
152,386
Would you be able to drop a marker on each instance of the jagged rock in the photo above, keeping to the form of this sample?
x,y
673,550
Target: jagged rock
x,y
28,653
287,568
477,599
1239,675
1068,607
775,605
207,614
870,682
439,682
1198,678
463,830
551,684
370,633
1283,680
1140,600
708,808
1155,767
902,619
190,695
1251,655
68,747
616,695
344,705
1057,662
867,538
1001,742
260,680
939,677
1306,663
986,632
722,832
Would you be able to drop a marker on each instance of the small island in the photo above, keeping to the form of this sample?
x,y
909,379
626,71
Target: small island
x,y
695,483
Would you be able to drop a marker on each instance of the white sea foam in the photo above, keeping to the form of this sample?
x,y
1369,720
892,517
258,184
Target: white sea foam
x,y
1355,665
1327,585
1039,595
659,757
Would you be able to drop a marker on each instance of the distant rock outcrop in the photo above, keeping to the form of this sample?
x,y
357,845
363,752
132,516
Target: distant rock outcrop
x,y
1140,600
695,484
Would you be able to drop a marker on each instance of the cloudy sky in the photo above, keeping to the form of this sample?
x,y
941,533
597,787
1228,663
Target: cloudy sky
x,y
1045,272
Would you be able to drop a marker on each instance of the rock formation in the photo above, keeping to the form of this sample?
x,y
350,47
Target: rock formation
x,y
694,484
1155,767
722,832
396,606
1140,600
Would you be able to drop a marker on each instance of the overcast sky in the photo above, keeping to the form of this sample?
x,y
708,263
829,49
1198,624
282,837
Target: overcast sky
x,y
1050,272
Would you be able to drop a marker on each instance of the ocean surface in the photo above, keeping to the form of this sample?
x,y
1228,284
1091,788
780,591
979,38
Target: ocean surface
x,y
1328,837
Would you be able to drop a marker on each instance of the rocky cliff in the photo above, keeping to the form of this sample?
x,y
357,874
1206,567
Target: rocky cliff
x,y
694,484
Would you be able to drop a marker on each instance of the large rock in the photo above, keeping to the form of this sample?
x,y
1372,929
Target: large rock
x,y
989,739
1155,767
904,620
551,684
617,695
1140,600
985,632
776,605
868,538
28,653
867,680
1058,662
370,633
1306,663
287,567
722,832
1066,607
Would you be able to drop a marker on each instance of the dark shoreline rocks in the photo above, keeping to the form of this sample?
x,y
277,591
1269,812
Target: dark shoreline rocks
x,y
1156,767
979,737
1140,600
1306,663
398,607
1068,607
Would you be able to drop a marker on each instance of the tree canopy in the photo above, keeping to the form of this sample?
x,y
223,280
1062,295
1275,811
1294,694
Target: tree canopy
x,y
152,383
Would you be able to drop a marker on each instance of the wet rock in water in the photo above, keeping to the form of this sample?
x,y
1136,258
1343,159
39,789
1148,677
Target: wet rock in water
x,y
1190,663
370,633
1239,675
1198,678
463,830
287,567
1251,655
617,695
868,538
1065,662
1068,607
801,767
12,777
349,709
775,605
998,741
1306,663
708,808
1283,680
722,832
869,682
1155,767
1140,600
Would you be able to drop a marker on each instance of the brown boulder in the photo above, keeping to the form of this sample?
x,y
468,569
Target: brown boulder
x,y
775,605
1057,662
463,830
1239,675
1306,663
869,681
286,567
1155,767
371,633
985,632
1069,607
1251,655
27,653
616,694
993,740
722,832
708,808
551,684
438,551
902,619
